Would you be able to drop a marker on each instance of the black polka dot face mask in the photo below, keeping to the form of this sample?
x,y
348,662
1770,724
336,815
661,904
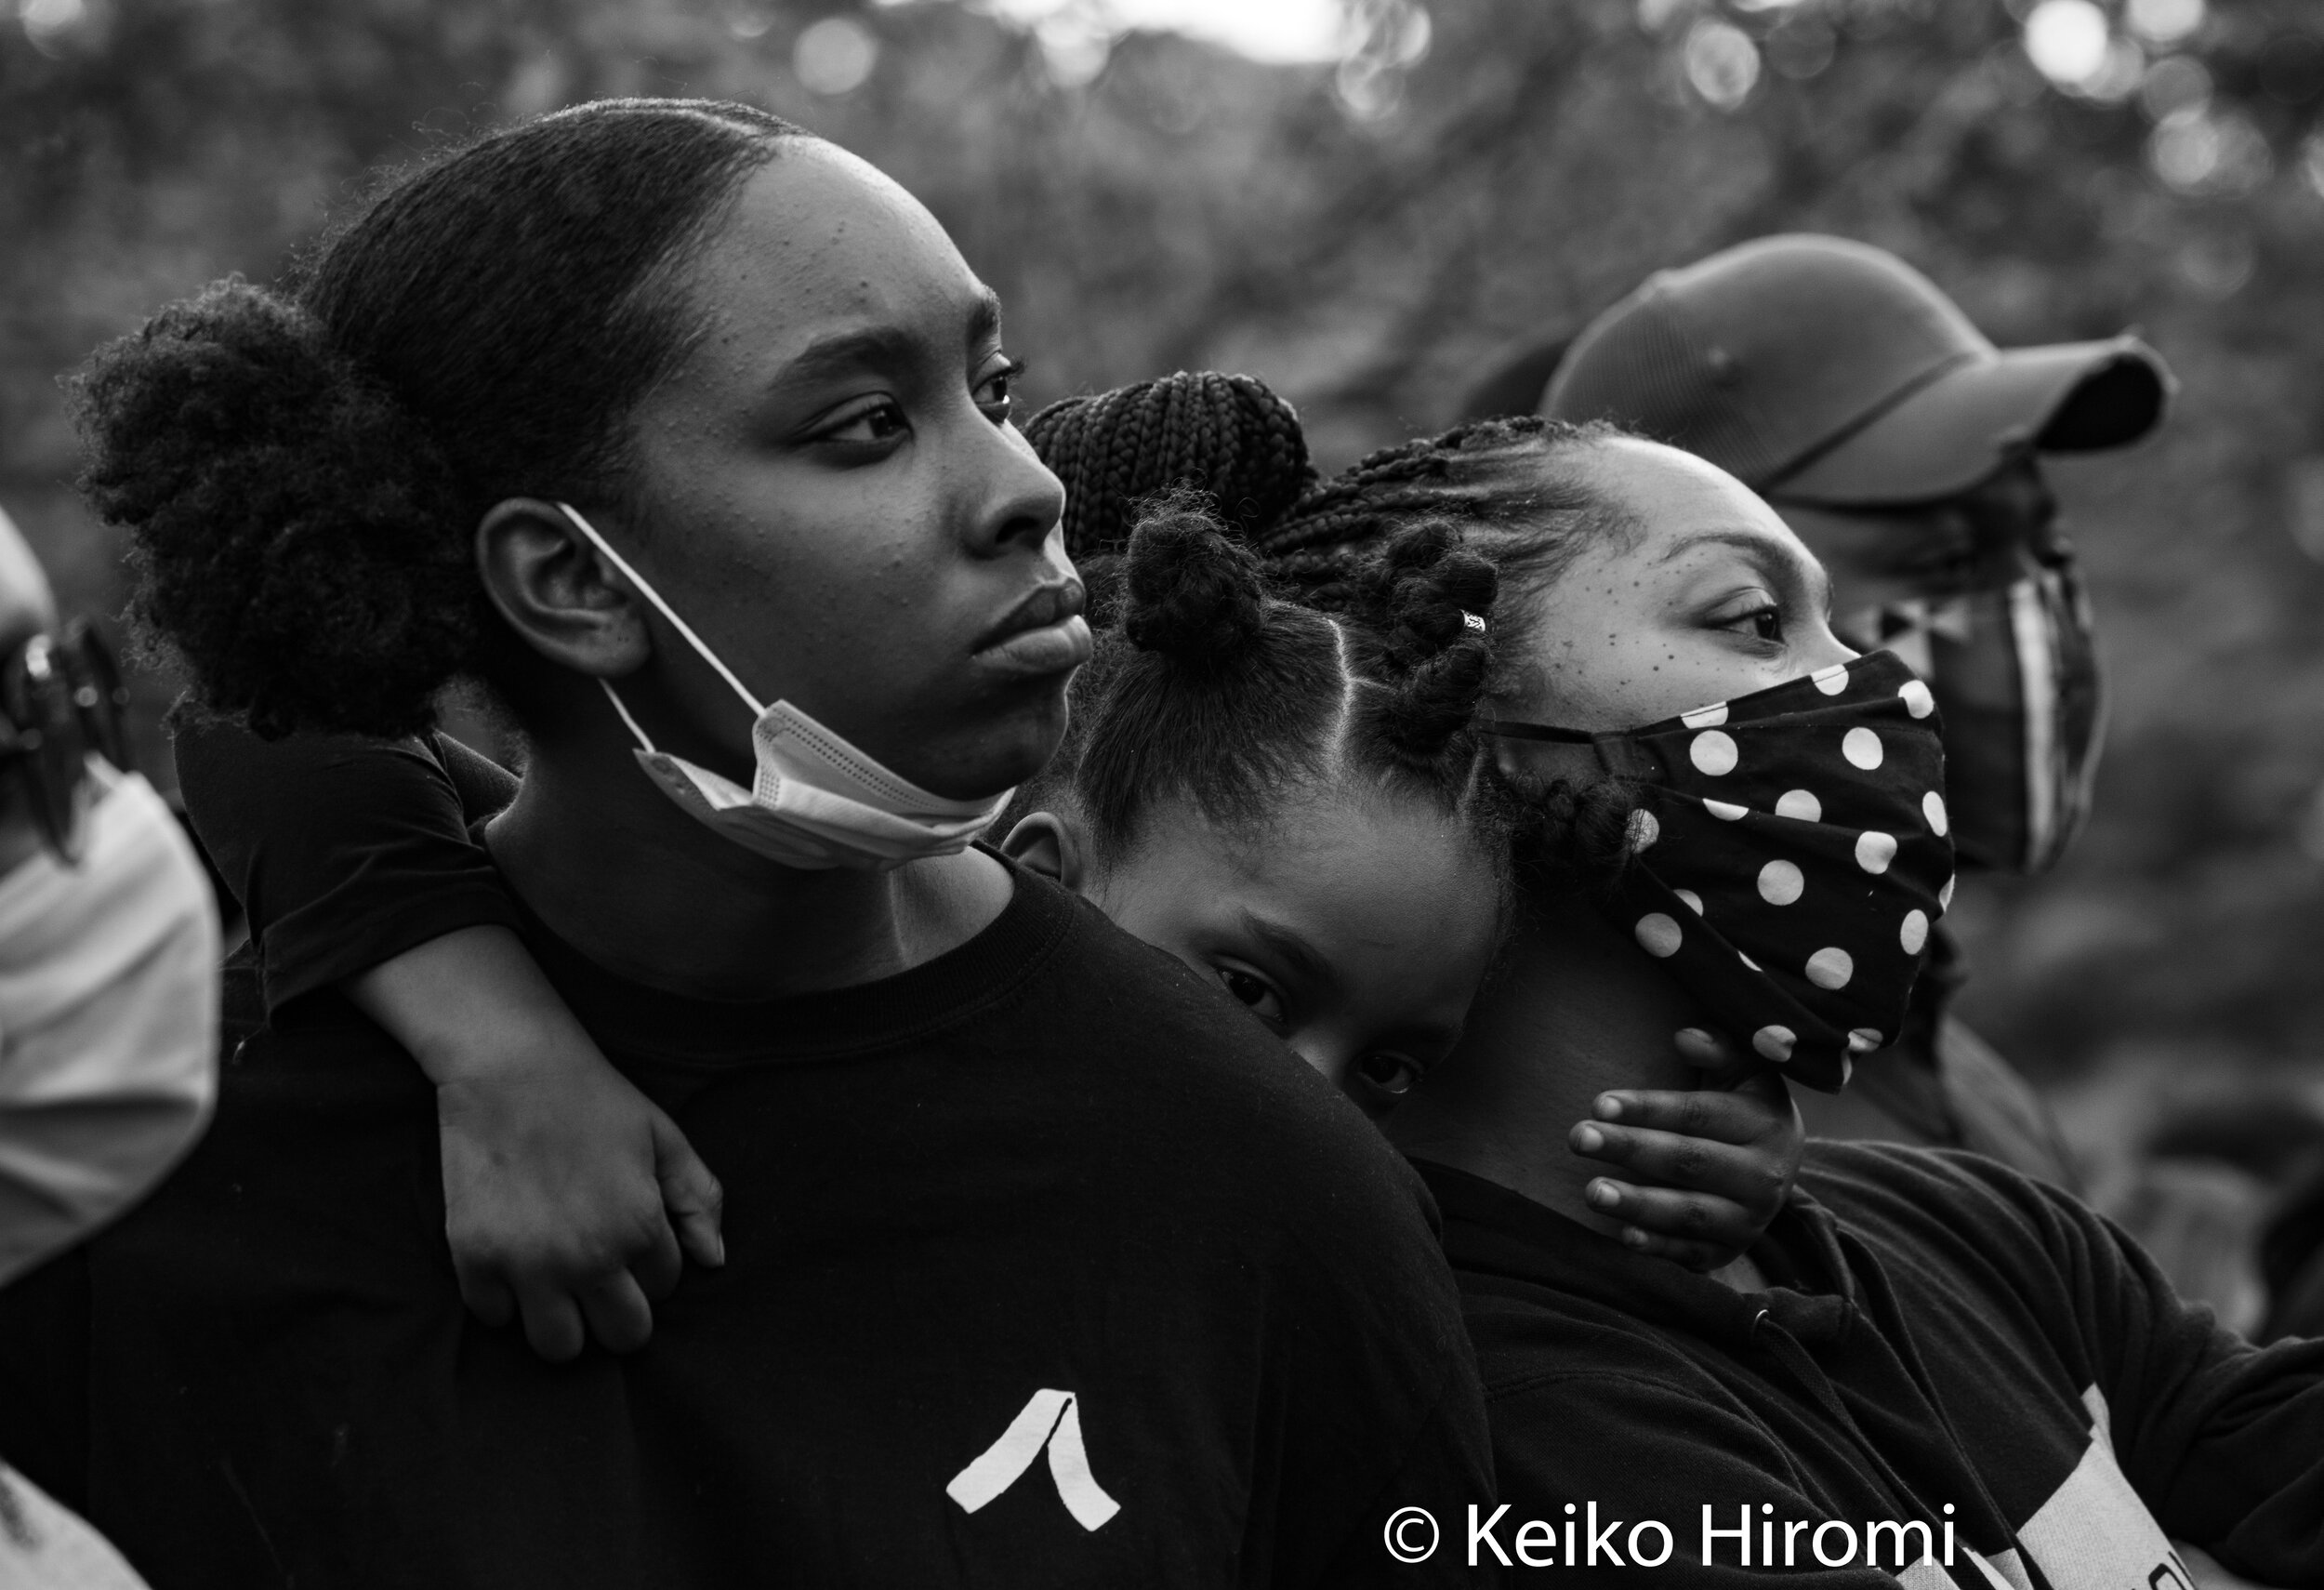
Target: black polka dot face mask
x,y
1790,855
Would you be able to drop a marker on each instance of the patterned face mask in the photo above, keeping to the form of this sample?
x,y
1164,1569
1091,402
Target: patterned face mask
x,y
2014,670
1788,856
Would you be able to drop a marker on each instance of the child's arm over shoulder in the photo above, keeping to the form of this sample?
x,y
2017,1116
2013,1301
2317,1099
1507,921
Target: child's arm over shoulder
x,y
342,851
569,1196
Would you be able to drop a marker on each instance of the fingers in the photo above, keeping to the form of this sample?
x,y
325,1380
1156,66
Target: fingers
x,y
1721,1062
1745,1115
1696,1230
552,1322
618,1313
485,1293
1754,1174
1750,1174
690,1195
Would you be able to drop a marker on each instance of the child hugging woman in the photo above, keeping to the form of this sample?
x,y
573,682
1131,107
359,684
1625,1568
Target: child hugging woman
x,y
1209,758
689,434
1040,1261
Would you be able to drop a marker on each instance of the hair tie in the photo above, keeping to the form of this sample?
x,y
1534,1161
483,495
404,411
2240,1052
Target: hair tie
x,y
1473,620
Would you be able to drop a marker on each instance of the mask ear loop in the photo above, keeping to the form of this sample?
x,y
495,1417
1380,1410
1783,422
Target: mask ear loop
x,y
637,730
757,707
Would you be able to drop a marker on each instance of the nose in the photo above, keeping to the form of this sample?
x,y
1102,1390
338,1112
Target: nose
x,y
1022,500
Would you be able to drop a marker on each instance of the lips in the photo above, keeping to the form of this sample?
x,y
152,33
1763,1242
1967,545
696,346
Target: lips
x,y
1044,633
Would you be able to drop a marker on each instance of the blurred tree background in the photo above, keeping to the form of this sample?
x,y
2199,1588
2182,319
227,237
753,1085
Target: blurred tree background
x,y
1374,234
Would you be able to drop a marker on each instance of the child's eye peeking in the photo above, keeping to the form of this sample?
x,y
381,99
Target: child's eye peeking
x,y
1253,993
995,393
1392,1074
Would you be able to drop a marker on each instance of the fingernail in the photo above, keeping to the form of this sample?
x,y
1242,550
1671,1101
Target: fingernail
x,y
1632,1237
1588,1138
1609,1107
1696,1033
1603,1194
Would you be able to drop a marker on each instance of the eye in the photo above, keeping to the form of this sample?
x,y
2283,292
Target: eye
x,y
1253,993
1755,614
996,392
874,424
1390,1074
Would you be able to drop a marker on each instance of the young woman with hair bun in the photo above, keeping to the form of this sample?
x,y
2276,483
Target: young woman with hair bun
x,y
1042,1263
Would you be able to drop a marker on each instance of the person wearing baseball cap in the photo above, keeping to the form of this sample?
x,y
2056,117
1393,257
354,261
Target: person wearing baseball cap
x,y
1904,449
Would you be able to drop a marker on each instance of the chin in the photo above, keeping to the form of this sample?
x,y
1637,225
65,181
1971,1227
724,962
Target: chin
x,y
978,764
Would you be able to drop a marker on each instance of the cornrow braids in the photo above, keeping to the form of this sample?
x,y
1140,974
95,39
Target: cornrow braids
x,y
1496,478
1514,495
1229,436
1215,691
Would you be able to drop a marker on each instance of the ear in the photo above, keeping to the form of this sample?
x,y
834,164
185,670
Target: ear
x,y
557,591
1048,844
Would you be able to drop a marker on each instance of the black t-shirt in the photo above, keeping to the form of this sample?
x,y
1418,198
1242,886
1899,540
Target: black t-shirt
x,y
1956,1353
1044,1224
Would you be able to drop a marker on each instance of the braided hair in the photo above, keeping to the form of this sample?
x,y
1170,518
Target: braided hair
x,y
1226,436
1216,691
1493,479
1514,490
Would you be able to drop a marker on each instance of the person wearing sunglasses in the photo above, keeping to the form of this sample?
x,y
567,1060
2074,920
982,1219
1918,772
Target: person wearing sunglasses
x,y
1904,449
108,947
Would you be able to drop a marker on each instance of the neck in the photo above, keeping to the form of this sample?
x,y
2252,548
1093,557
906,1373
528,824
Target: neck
x,y
1574,1010
613,868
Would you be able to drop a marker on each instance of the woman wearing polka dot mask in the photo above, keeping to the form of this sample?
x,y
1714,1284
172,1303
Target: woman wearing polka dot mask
x,y
1921,1337
1788,848
1745,815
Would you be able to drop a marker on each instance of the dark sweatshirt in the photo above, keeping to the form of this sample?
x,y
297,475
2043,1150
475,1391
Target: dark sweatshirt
x,y
1945,1343
1044,1266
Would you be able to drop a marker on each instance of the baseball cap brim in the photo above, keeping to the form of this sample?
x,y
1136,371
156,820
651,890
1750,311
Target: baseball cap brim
x,y
1945,436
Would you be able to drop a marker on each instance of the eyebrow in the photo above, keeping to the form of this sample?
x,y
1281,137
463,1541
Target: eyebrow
x,y
880,345
1302,955
984,319
1808,579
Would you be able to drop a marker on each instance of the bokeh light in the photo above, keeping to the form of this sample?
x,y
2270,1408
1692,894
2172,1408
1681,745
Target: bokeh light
x,y
49,24
835,56
1722,63
2165,21
2174,82
2067,40
2198,150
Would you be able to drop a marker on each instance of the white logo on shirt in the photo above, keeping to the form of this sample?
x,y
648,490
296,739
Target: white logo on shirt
x,y
1052,1420
2093,1532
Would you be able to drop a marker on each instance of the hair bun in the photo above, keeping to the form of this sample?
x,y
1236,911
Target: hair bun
x,y
1191,594
1229,436
285,516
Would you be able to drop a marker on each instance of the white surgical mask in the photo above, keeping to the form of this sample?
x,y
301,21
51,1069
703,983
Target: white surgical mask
x,y
817,802
108,1022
